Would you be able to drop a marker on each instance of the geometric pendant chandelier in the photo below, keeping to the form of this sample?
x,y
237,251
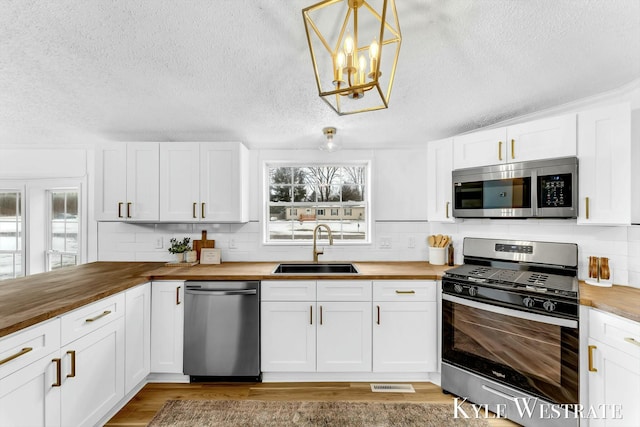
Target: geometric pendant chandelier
x,y
354,46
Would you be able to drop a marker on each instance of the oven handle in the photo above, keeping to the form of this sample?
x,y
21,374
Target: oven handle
x,y
513,313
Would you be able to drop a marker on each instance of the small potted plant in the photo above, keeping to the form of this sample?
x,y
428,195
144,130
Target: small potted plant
x,y
179,247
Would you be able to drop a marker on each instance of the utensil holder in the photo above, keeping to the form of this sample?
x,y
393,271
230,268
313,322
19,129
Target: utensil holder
x,y
437,256
600,273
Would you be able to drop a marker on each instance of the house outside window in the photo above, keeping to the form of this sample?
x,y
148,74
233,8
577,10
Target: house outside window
x,y
299,197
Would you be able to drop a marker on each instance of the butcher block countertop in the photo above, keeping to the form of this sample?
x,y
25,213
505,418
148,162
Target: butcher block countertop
x,y
29,300
621,300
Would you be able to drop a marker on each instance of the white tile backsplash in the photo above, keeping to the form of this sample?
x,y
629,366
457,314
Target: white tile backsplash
x,y
130,241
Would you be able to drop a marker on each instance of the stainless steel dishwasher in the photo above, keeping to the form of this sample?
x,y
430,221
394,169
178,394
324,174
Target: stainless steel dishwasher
x,y
222,330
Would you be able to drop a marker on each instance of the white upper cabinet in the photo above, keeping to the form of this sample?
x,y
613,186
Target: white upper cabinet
x,y
539,139
439,185
604,152
127,176
204,181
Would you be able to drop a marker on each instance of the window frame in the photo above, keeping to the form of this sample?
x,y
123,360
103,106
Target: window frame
x,y
366,202
49,251
20,188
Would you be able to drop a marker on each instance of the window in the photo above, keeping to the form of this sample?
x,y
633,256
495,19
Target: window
x,y
12,255
64,220
300,196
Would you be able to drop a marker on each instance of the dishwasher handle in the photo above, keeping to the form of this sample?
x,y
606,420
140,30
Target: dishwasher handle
x,y
222,292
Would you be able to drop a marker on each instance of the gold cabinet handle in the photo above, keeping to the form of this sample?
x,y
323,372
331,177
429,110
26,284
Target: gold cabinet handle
x,y
203,210
321,315
500,150
411,292
15,356
591,368
446,209
311,315
378,321
128,209
586,201
513,148
120,209
632,341
178,295
99,316
194,209
58,363
72,353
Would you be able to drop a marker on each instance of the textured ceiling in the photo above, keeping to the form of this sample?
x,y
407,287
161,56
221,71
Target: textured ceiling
x,y
78,70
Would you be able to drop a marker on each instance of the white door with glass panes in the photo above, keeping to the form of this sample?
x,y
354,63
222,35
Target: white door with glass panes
x,y
439,184
12,231
604,152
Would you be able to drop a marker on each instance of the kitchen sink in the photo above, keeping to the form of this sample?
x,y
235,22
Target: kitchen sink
x,y
316,269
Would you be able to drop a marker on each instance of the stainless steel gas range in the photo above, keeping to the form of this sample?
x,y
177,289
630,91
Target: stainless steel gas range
x,y
510,336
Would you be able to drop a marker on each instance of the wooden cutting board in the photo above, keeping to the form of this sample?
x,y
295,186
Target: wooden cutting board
x,y
204,243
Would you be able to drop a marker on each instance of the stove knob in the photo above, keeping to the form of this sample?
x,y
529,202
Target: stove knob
x,y
458,289
549,306
528,302
473,291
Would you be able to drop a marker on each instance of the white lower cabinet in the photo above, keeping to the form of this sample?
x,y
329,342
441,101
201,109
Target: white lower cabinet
x,y
167,326
288,336
28,394
405,326
92,375
137,335
349,326
344,336
614,370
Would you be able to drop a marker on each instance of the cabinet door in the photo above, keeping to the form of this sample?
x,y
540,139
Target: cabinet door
x,y
439,185
542,139
344,337
180,181
224,182
487,147
92,375
167,322
288,336
143,181
614,379
405,337
111,182
28,397
137,335
604,151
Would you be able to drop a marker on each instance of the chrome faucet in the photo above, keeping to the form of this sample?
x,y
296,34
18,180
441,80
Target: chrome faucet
x,y
317,252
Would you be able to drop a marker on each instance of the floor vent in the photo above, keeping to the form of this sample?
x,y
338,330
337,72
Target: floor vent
x,y
392,388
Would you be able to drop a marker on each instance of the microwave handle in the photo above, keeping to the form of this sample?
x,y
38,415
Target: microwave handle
x,y
534,193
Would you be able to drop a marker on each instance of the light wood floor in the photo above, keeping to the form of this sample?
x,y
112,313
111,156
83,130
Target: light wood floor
x,y
141,409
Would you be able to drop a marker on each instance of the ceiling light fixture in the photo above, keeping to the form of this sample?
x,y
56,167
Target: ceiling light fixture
x,y
348,81
330,142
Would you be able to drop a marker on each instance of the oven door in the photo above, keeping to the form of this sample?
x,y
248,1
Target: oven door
x,y
535,353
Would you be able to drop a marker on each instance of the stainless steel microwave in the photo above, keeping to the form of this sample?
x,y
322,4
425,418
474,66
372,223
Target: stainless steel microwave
x,y
534,189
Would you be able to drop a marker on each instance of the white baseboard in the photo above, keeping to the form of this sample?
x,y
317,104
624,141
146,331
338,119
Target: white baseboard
x,y
271,377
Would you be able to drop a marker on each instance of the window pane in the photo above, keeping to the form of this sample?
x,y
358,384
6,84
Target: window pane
x,y
64,229
352,193
280,176
280,193
353,175
304,193
329,193
280,230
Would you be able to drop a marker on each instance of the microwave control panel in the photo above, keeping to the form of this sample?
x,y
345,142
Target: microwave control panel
x,y
554,191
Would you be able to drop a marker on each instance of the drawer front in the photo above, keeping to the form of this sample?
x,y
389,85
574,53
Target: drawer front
x,y
404,290
91,317
344,290
288,290
619,333
28,345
